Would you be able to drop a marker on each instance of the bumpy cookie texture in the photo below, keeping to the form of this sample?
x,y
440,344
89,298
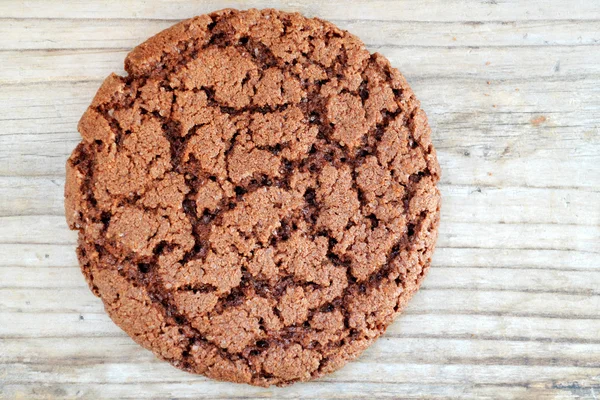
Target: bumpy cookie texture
x,y
256,201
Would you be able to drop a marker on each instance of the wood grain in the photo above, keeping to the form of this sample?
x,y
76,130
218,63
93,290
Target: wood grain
x,y
378,10
511,307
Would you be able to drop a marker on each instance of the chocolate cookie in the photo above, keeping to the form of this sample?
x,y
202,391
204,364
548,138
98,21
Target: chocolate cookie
x,y
256,201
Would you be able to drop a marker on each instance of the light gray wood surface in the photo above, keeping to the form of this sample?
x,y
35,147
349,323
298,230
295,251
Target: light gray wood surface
x,y
511,308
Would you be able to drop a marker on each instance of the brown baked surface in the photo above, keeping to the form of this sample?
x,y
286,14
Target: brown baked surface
x,y
256,201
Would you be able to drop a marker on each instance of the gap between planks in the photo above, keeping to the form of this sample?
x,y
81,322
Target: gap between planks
x,y
373,47
424,335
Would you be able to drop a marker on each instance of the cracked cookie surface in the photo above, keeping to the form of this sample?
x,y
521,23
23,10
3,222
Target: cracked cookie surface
x,y
256,201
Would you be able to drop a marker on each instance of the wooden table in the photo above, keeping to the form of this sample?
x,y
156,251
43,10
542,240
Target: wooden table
x,y
511,308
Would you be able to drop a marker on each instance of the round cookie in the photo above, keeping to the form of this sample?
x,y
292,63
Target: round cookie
x,y
256,201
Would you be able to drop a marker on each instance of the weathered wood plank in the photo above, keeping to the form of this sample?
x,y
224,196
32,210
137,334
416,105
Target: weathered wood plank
x,y
15,279
514,205
45,107
481,165
37,255
122,349
66,65
520,205
53,230
55,107
507,259
41,196
440,278
490,144
495,327
82,326
36,230
388,350
27,66
41,277
391,349
433,301
30,33
405,10
61,256
542,168
368,372
528,280
515,236
45,324
313,390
